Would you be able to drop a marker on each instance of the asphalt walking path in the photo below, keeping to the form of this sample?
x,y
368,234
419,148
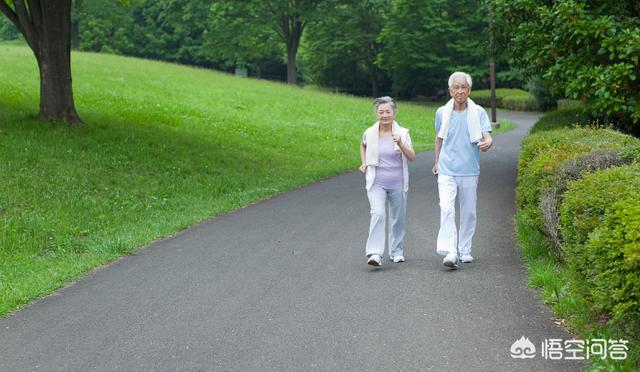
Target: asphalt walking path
x,y
283,285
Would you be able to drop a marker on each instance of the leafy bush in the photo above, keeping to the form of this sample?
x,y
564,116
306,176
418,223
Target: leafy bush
x,y
592,216
540,93
570,170
586,50
561,119
569,104
7,30
614,252
631,153
600,220
510,99
543,153
587,200
520,103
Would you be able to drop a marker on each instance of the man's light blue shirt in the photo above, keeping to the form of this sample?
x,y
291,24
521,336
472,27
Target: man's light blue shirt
x,y
458,156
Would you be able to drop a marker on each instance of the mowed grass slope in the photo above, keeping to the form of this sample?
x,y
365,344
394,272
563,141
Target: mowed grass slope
x,y
164,146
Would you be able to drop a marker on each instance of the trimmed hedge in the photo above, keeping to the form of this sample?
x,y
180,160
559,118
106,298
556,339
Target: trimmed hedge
x,y
600,221
543,154
568,171
561,119
581,187
569,104
587,200
510,99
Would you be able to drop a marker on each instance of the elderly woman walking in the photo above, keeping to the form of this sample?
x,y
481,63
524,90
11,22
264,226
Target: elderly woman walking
x,y
384,150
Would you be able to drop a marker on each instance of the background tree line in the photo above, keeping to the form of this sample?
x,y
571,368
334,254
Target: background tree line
x,y
362,47
577,49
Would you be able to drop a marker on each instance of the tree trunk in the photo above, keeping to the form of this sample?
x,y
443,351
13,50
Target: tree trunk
x,y
54,61
375,80
292,71
291,28
46,26
375,90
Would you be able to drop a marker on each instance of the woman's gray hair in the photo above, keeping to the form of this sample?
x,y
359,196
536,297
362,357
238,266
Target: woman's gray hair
x,y
458,74
385,100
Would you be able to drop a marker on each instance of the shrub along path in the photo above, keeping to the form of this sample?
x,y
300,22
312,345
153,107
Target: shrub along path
x,y
283,285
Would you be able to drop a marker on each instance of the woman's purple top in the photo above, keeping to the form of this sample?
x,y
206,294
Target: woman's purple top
x,y
389,171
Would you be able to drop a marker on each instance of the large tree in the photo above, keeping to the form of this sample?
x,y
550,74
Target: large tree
x,y
586,50
237,43
426,40
341,51
46,26
287,19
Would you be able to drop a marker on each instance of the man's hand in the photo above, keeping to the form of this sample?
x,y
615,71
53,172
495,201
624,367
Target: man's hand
x,y
434,170
363,168
485,144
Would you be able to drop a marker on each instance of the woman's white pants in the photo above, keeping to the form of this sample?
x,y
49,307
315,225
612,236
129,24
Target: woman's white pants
x,y
378,198
448,187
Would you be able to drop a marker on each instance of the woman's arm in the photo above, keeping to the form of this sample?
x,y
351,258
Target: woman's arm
x,y
363,156
438,143
406,149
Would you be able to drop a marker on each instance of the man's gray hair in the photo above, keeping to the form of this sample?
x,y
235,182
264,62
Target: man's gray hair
x,y
384,100
458,74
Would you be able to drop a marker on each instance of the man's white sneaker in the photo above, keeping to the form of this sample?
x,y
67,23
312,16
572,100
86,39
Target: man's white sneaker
x,y
397,259
451,260
466,258
375,260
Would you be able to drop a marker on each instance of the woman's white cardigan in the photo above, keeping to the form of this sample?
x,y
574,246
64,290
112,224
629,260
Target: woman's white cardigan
x,y
372,136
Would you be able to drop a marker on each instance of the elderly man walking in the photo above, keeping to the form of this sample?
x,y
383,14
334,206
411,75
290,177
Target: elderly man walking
x,y
463,130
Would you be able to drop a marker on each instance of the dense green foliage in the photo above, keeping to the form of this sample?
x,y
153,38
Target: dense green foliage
x,y
236,42
586,50
600,217
579,221
544,153
561,119
342,50
589,198
405,48
425,41
169,30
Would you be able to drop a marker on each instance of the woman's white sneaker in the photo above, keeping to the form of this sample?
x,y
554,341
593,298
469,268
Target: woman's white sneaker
x,y
451,260
397,259
466,258
375,260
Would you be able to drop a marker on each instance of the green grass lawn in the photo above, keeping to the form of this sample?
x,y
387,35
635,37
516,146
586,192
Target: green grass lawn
x,y
164,146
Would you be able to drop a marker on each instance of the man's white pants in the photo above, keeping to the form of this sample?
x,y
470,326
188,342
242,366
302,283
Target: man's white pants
x,y
448,188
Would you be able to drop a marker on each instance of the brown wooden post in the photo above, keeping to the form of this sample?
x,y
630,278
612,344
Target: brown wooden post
x,y
492,70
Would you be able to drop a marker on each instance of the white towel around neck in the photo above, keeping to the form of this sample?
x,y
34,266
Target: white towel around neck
x,y
373,137
473,121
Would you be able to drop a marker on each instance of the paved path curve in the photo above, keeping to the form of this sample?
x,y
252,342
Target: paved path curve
x,y
282,285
